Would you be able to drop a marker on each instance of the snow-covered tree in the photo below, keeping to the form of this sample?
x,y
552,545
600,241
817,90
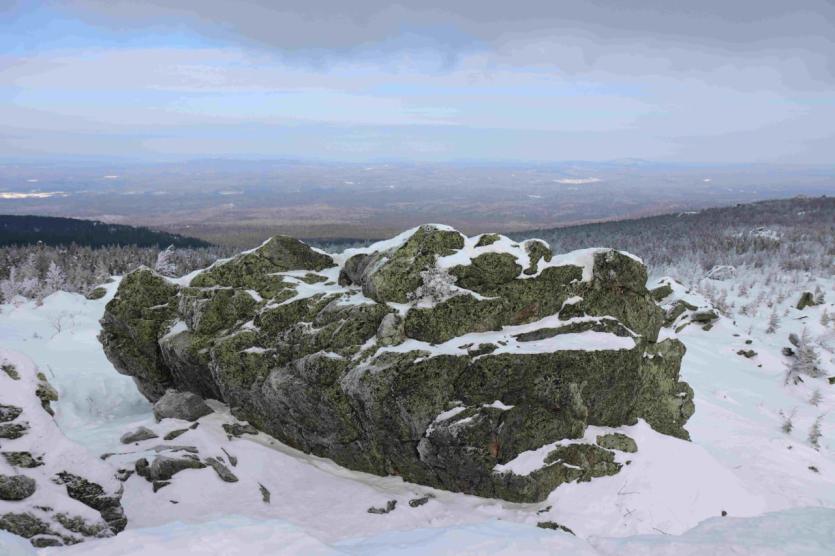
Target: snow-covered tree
x,y
815,433
55,279
806,360
825,318
166,265
773,323
819,297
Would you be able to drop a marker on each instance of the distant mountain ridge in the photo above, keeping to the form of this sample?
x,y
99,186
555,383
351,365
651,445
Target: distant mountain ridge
x,y
50,230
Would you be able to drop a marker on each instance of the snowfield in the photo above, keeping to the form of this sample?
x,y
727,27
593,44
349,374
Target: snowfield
x,y
741,486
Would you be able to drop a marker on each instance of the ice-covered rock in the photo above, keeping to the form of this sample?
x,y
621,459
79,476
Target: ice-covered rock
x,y
432,356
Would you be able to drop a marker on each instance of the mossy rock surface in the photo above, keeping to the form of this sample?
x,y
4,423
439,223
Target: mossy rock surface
x,y
435,357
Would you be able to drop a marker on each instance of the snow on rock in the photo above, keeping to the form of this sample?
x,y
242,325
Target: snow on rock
x,y
338,371
60,493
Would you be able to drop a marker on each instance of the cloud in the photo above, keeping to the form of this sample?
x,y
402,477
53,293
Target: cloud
x,y
529,80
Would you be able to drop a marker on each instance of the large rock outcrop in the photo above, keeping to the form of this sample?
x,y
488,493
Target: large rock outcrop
x,y
433,356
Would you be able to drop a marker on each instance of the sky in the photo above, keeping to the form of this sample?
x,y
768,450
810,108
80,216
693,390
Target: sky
x,y
713,81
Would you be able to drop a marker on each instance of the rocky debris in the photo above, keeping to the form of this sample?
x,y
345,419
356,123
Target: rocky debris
x,y
16,487
232,459
10,370
93,495
138,435
9,413
22,459
365,368
787,351
162,468
617,441
390,505
704,316
175,433
794,339
156,485
51,468
721,272
678,308
417,502
747,353
10,431
265,494
239,429
554,526
222,471
96,293
807,299
181,405
46,393
661,292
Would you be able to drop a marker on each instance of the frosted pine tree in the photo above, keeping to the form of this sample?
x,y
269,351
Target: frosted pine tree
x,y
773,323
55,279
165,264
806,360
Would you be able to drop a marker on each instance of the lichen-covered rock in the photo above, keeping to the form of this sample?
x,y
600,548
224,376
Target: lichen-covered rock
x,y
617,441
432,356
16,487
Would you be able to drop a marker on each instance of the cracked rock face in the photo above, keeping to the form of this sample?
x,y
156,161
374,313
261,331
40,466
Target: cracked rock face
x,y
434,356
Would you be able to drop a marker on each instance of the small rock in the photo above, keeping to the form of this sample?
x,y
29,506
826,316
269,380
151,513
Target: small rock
x,y
704,316
222,471
749,342
9,413
724,513
174,448
11,431
747,353
160,484
16,487
124,474
175,433
164,467
390,505
232,459
180,405
617,441
239,429
97,293
554,526
544,510
794,339
788,352
415,502
807,299
814,469
23,459
831,379
10,370
265,494
138,435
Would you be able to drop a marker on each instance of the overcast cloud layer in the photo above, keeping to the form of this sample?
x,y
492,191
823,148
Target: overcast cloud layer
x,y
708,81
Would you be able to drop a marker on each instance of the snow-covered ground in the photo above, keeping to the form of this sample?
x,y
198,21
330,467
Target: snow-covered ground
x,y
777,490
